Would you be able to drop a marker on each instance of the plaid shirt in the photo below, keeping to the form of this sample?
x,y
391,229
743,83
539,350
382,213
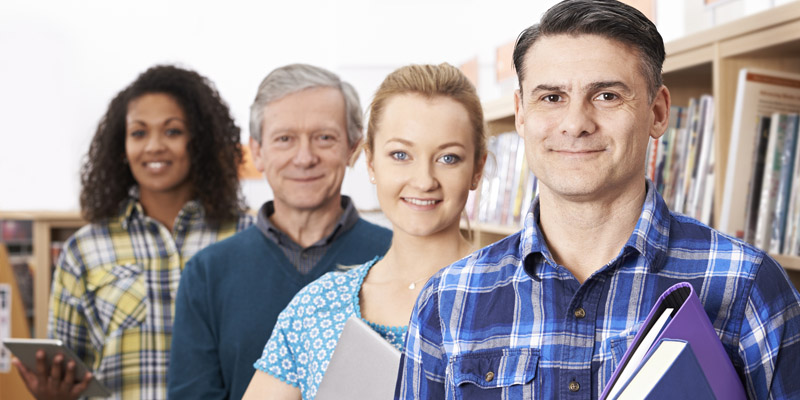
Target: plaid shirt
x,y
508,322
113,291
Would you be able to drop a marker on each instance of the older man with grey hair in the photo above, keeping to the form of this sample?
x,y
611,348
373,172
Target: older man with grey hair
x,y
305,127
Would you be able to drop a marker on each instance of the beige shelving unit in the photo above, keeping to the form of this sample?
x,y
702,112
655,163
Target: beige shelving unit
x,y
48,227
705,62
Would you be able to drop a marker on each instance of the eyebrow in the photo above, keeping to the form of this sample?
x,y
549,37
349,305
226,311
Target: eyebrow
x,y
411,144
591,87
171,119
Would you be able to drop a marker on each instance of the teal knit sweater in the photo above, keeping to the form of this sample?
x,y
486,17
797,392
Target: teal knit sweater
x,y
229,298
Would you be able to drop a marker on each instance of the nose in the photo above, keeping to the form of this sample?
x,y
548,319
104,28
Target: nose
x,y
424,178
155,142
577,120
305,155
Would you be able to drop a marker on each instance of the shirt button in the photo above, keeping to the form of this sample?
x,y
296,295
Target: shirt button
x,y
489,376
580,312
574,386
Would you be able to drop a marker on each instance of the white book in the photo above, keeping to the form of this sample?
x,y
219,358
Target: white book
x,y
759,93
641,351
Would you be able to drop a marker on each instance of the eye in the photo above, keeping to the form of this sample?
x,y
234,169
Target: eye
x,y
551,98
449,159
606,96
174,132
137,133
282,139
399,155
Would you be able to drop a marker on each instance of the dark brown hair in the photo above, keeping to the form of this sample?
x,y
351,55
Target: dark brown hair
x,y
610,19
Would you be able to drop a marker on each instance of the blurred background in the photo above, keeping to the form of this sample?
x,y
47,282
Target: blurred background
x,y
61,62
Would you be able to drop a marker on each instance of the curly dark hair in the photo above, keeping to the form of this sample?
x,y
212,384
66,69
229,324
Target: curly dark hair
x,y
214,147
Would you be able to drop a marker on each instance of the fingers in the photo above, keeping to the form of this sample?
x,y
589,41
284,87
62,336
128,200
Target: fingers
x,y
80,387
27,376
54,381
69,378
42,369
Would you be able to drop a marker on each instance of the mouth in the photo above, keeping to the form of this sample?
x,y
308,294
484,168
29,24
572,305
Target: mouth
x,y
421,202
305,179
156,166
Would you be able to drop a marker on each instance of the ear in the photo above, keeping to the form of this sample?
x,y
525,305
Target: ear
x,y
476,176
370,164
660,110
519,114
255,152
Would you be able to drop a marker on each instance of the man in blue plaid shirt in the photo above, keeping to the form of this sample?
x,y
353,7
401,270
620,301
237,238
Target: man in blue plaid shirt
x,y
548,312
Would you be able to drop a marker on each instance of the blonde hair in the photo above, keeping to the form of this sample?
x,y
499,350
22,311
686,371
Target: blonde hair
x,y
429,81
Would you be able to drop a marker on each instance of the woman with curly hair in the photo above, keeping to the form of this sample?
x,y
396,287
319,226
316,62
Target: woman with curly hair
x,y
159,184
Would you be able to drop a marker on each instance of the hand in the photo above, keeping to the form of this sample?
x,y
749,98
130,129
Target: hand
x,y
46,383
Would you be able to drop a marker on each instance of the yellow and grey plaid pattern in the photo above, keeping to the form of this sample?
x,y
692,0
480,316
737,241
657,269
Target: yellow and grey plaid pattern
x,y
113,291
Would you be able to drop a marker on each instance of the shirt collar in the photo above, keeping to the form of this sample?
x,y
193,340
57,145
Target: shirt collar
x,y
346,221
132,209
650,238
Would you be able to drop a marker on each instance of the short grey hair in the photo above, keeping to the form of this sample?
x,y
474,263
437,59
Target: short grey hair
x,y
293,78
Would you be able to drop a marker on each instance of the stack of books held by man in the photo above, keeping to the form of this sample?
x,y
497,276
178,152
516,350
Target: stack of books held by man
x,y
676,355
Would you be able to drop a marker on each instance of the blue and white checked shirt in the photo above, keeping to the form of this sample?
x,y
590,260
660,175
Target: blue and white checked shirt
x,y
508,322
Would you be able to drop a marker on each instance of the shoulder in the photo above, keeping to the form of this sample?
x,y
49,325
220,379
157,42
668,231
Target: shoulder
x,y
246,241
370,231
334,290
690,239
91,245
240,248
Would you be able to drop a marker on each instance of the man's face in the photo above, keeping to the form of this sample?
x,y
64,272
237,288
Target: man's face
x,y
304,149
585,116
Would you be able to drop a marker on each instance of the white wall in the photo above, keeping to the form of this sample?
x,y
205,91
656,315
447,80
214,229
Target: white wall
x,y
62,61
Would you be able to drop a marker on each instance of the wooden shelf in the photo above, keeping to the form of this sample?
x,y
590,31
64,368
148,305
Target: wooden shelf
x,y
47,225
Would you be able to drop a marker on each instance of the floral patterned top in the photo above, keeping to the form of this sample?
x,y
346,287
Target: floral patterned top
x,y
307,330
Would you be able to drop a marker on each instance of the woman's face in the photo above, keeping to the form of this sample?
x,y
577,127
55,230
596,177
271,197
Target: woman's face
x,y
423,163
156,138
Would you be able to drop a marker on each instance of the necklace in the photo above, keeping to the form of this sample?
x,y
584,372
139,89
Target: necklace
x,y
413,285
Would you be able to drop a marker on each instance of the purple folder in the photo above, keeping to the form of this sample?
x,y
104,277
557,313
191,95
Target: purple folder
x,y
690,323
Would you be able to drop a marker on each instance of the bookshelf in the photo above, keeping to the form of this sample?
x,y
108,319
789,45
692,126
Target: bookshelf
x,y
48,227
706,62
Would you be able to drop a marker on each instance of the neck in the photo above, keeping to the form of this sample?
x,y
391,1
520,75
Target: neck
x,y
415,259
584,236
306,227
164,207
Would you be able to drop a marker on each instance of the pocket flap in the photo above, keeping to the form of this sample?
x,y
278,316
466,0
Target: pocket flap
x,y
106,274
495,368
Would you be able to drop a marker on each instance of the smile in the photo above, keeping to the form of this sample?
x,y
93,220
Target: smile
x,y
156,165
418,202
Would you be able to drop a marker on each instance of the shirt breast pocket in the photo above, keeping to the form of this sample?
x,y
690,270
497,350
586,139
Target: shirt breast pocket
x,y
495,374
120,296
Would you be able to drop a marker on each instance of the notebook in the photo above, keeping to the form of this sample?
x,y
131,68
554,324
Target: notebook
x,y
363,365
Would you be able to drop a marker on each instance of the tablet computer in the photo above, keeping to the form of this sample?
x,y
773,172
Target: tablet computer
x,y
363,365
25,350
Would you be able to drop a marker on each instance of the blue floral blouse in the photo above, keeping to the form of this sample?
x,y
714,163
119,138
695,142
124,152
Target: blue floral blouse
x,y
307,330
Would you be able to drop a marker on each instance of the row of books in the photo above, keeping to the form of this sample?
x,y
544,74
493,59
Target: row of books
x,y
681,162
507,186
762,177
772,212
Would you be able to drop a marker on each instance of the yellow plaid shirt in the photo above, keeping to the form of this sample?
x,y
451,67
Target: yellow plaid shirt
x,y
113,294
